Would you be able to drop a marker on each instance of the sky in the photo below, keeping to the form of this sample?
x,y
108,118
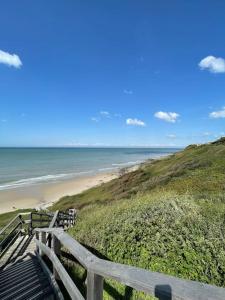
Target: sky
x,y
111,73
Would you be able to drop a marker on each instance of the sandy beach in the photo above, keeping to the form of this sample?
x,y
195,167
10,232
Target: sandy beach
x,y
41,196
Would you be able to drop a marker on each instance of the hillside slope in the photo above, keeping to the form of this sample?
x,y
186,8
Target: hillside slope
x,y
197,170
168,216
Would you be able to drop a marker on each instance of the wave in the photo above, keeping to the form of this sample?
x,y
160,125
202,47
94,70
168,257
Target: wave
x,y
129,163
119,165
40,179
106,169
55,177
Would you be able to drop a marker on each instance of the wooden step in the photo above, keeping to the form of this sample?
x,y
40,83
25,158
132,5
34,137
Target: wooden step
x,y
25,280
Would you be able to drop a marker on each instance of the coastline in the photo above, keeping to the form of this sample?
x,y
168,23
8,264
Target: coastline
x,y
43,195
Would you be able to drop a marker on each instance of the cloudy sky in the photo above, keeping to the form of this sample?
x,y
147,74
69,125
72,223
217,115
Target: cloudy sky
x,y
111,73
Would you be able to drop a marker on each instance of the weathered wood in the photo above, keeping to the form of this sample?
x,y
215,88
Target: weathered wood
x,y
56,247
67,281
17,217
54,219
94,286
13,231
139,279
37,238
52,280
43,240
9,244
40,221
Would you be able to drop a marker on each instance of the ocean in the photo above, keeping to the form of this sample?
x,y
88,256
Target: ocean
x,y
29,166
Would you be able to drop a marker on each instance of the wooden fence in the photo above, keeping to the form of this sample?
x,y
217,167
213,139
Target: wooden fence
x,y
167,287
26,222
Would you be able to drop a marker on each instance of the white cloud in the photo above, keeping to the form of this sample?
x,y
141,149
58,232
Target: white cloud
x,y
105,114
167,116
213,64
128,92
95,119
171,136
135,122
10,59
218,114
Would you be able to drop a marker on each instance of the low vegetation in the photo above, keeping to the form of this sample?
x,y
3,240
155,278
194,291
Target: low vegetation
x,y
168,216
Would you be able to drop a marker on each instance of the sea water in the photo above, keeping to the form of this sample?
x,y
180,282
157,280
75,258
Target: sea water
x,y
28,166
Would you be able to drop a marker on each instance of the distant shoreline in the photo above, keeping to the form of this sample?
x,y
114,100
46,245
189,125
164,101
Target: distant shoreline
x,y
47,179
43,195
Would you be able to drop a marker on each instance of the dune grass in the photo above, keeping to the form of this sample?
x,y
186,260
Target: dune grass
x,y
168,216
198,171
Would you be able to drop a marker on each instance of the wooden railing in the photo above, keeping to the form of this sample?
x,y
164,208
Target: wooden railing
x,y
167,287
11,231
27,222
40,219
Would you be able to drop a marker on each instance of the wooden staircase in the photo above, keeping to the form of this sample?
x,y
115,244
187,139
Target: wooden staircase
x,y
25,279
23,276
23,245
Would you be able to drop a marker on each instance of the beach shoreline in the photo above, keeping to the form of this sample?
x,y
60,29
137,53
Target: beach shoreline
x,y
43,195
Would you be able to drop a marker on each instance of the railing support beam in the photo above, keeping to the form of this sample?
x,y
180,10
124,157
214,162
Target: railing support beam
x,y
43,240
56,247
94,286
37,238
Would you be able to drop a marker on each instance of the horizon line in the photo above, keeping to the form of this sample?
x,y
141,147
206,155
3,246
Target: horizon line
x,y
97,147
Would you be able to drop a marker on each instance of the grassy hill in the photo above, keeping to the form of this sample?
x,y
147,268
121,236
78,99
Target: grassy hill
x,y
168,216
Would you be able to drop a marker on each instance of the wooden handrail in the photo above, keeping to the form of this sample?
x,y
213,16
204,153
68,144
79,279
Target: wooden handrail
x,y
8,232
54,219
139,279
10,223
67,281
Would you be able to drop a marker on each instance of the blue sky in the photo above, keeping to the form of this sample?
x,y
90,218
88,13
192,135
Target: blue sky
x,y
112,73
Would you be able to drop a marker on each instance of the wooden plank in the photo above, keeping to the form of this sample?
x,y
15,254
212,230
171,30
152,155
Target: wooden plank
x,y
10,234
37,238
54,219
43,240
84,256
94,286
4,252
67,281
52,280
40,221
16,218
56,247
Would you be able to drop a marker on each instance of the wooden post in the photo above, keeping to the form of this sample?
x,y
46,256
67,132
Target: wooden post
x,y
94,286
37,238
31,225
56,247
43,240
